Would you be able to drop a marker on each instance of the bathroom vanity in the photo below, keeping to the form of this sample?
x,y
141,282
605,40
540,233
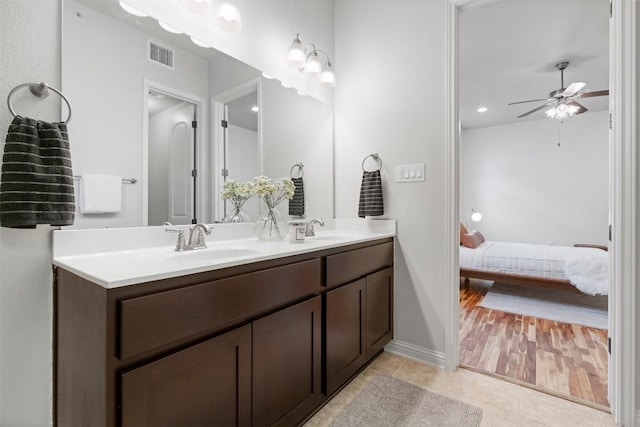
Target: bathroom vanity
x,y
264,336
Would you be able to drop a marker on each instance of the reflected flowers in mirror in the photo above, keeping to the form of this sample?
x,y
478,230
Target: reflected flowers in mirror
x,y
237,194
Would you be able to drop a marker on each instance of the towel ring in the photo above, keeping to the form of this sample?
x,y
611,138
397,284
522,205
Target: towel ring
x,y
41,90
374,156
300,166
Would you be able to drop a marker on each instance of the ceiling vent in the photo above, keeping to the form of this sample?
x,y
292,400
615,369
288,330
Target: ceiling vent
x,y
160,54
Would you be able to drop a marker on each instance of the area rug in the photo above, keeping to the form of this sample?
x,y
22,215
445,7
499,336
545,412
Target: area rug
x,y
552,304
388,401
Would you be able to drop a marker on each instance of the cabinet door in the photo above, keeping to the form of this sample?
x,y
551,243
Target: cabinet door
x,y
379,294
207,384
286,364
345,327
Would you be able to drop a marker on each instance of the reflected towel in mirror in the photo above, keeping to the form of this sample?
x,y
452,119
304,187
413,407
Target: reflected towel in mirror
x,y
100,194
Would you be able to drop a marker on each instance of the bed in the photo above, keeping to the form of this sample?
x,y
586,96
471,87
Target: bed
x,y
579,268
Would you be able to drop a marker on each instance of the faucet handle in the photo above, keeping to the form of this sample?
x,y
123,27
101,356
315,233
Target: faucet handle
x,y
181,244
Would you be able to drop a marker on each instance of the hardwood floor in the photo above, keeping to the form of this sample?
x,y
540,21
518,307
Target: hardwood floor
x,y
563,359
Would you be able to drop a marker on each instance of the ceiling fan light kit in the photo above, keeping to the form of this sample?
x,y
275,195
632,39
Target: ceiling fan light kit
x,y
562,102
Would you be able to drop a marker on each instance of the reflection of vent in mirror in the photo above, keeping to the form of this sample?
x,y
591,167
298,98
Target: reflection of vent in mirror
x,y
160,54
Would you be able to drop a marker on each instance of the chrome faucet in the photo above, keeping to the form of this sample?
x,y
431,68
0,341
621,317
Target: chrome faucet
x,y
196,237
198,231
309,231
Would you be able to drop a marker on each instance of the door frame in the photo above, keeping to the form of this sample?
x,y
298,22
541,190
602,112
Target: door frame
x,y
202,184
623,297
217,156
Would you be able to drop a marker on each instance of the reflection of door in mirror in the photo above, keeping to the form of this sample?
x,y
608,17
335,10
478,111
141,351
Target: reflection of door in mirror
x,y
171,158
241,153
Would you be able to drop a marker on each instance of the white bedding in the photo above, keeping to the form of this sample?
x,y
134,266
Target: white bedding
x,y
586,268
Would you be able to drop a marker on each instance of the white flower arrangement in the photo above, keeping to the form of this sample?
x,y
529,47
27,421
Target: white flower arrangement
x,y
237,192
272,192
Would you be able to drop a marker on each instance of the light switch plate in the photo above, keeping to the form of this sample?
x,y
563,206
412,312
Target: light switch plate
x,y
410,173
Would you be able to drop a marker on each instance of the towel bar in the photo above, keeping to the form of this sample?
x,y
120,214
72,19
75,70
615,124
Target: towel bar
x,y
124,180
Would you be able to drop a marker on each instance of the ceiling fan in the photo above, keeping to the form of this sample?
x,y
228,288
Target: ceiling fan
x,y
562,102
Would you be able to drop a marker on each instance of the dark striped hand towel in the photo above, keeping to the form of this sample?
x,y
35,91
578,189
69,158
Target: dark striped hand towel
x,y
36,186
371,203
296,204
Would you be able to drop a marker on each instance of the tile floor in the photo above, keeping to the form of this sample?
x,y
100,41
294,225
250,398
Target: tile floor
x,y
503,403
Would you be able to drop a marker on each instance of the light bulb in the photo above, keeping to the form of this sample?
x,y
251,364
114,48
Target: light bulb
x,y
228,17
197,7
169,28
573,109
199,42
551,112
296,57
476,216
328,78
132,10
313,65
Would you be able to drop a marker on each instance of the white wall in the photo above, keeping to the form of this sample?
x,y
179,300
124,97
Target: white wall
x,y
298,129
390,98
529,189
161,133
25,255
104,67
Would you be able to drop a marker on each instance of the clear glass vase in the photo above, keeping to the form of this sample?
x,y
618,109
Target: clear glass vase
x,y
237,214
271,225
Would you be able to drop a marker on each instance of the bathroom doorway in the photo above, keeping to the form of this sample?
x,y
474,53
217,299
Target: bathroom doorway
x,y
171,157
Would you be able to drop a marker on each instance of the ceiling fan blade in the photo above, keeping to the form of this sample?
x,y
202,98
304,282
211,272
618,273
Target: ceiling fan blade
x,y
533,111
573,88
581,108
594,93
531,100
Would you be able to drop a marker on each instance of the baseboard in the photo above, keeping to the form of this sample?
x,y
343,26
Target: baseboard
x,y
421,354
638,417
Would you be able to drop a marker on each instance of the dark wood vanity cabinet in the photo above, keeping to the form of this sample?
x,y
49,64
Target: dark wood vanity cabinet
x,y
262,344
287,364
359,314
208,384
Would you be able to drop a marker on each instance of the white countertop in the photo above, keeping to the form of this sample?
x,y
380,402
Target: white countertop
x,y
115,257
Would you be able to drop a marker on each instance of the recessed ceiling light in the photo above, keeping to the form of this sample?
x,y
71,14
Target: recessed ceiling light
x,y
482,109
199,42
132,10
255,109
267,76
169,28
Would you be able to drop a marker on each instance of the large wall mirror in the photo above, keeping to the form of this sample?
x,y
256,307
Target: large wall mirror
x,y
149,104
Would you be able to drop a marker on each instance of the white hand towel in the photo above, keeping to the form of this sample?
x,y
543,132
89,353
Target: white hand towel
x,y
100,194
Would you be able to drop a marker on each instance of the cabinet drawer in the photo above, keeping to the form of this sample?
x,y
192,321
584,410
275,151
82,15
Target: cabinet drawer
x,y
351,265
159,319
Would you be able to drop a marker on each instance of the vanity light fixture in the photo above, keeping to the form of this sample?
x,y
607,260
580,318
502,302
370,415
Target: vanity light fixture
x,y
482,109
169,28
132,10
228,17
197,7
307,59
